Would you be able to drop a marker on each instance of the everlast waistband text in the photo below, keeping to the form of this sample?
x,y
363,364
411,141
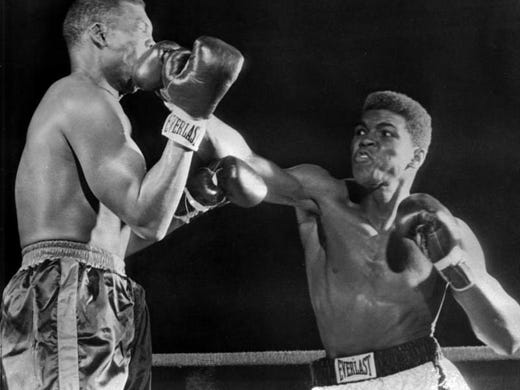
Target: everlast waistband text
x,y
355,368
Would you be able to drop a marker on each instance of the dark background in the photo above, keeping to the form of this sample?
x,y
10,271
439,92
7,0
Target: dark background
x,y
234,280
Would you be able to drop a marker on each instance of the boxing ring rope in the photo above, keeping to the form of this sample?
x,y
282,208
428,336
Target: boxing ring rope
x,y
276,358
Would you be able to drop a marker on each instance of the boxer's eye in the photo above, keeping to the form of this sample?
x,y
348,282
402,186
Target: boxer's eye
x,y
386,133
360,131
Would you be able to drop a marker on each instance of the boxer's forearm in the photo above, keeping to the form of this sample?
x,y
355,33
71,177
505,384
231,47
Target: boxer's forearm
x,y
222,140
160,192
283,188
494,315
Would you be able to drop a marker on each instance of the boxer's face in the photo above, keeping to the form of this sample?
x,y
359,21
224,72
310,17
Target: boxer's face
x,y
382,149
129,36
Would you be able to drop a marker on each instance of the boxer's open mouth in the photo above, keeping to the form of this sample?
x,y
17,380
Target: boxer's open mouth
x,y
361,156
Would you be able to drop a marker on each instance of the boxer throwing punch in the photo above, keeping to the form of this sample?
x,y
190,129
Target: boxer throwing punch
x,y
377,266
71,318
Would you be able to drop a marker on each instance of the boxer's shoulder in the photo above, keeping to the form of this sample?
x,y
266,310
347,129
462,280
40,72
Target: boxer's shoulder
x,y
69,100
54,110
82,106
318,181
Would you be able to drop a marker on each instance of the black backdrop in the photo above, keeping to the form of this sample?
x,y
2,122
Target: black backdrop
x,y
234,280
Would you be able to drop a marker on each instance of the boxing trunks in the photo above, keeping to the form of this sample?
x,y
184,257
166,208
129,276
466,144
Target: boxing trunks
x,y
416,365
71,319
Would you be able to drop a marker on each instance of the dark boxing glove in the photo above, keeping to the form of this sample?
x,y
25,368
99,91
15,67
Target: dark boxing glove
x,y
424,224
226,180
192,83
147,72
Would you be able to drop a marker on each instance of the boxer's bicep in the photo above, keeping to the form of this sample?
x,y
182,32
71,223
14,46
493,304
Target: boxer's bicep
x,y
117,180
112,164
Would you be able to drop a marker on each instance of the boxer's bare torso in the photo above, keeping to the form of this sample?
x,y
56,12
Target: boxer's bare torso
x,y
53,200
81,177
360,305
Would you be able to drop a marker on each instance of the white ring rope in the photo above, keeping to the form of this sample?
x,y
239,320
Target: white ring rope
x,y
277,358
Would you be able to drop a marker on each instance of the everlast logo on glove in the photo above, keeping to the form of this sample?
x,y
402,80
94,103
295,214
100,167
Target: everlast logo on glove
x,y
355,368
183,129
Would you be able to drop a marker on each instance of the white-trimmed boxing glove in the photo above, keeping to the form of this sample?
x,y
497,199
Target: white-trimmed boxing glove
x,y
423,223
192,83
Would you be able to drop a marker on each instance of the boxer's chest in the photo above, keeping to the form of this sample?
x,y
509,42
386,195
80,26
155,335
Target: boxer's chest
x,y
354,254
352,286
355,287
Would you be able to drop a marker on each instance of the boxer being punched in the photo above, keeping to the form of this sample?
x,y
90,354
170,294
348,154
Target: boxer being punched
x,y
376,299
71,318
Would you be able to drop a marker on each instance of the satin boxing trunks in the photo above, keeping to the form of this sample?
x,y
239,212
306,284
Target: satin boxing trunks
x,y
416,365
71,319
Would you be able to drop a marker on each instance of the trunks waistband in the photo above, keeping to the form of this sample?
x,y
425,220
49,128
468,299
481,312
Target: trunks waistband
x,y
377,364
38,252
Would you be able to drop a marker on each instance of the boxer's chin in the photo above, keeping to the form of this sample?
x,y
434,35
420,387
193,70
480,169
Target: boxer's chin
x,y
362,175
367,179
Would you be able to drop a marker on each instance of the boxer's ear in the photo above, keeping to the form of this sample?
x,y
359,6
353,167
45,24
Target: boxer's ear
x,y
97,33
419,155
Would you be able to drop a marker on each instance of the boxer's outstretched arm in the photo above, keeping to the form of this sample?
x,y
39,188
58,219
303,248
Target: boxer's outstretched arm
x,y
300,187
494,315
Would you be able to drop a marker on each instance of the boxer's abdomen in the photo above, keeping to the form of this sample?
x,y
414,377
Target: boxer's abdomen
x,y
360,304
353,320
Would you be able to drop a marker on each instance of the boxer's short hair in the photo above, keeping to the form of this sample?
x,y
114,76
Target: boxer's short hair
x,y
83,13
419,122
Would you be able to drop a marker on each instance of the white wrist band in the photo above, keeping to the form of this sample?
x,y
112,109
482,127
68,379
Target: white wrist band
x,y
454,270
180,127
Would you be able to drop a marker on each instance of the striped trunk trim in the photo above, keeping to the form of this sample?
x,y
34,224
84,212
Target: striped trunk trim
x,y
68,365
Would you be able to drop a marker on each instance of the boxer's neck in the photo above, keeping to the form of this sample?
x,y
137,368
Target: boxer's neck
x,y
84,63
380,205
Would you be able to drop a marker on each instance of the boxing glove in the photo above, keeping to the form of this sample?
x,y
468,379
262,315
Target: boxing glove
x,y
423,224
226,180
193,83
147,71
